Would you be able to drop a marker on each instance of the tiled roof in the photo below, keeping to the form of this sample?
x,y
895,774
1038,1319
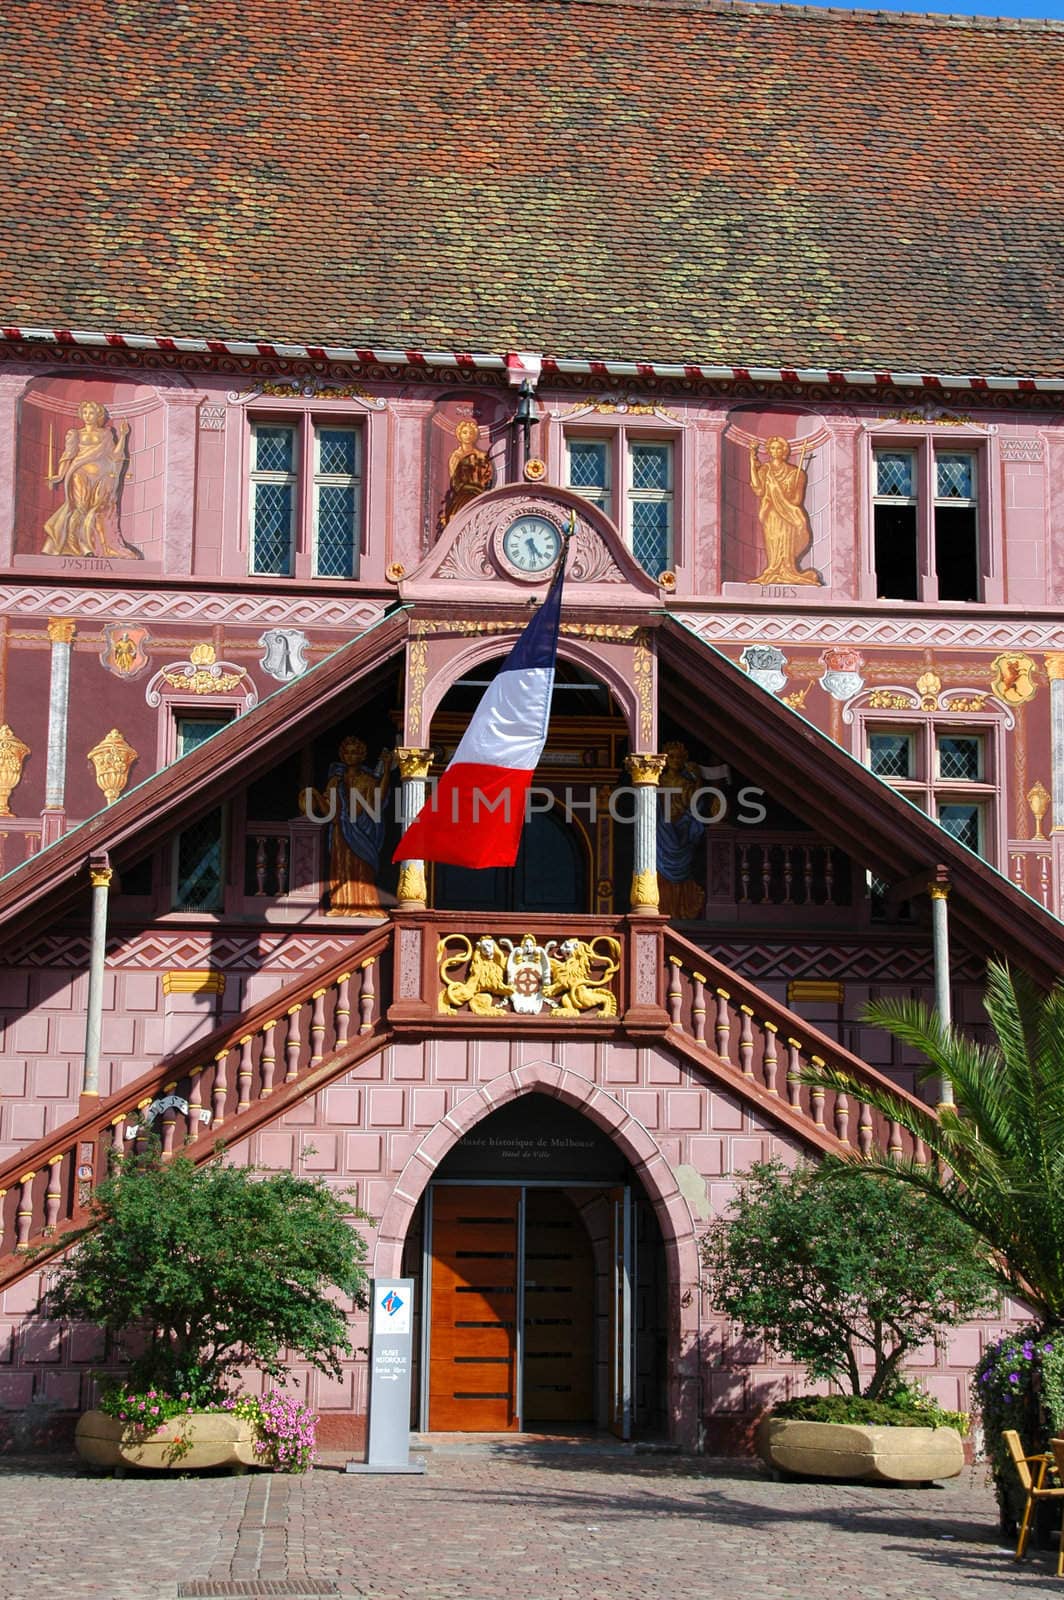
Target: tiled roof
x,y
673,180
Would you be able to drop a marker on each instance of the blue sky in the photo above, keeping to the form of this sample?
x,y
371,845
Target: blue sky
x,y
968,8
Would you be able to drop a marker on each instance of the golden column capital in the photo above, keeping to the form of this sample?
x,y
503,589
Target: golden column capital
x,y
61,630
100,877
645,768
413,762
938,891
1054,664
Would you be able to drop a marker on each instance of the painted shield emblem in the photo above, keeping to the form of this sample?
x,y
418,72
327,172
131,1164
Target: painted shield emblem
x,y
842,672
765,665
1013,678
125,649
284,657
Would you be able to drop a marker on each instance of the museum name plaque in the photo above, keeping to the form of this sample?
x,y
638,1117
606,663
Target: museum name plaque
x,y
390,1368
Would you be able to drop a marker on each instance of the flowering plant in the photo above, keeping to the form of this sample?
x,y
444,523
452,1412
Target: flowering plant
x,y
1019,1384
286,1431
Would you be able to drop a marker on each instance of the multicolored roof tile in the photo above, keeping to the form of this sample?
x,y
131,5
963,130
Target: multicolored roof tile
x,y
687,181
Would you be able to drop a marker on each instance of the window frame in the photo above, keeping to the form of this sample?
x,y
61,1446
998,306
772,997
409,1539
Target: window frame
x,y
619,439
925,445
925,788
307,424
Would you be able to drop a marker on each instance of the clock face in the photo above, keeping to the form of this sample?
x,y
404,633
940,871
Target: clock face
x,y
531,544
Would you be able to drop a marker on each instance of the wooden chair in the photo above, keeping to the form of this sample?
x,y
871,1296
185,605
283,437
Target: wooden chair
x,y
1034,1487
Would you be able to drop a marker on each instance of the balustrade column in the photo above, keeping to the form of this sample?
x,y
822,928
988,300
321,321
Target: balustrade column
x,y
100,877
61,633
414,764
939,892
645,771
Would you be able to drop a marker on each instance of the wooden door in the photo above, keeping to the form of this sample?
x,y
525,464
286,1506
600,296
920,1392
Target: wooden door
x,y
559,1312
473,1351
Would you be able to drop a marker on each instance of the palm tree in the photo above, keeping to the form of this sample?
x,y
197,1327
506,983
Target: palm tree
x,y
998,1153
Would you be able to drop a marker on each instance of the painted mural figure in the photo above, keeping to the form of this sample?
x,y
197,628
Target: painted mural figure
x,y
780,487
680,832
356,834
90,474
469,468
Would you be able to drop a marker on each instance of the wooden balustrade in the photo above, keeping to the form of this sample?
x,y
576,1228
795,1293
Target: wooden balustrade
x,y
225,1084
784,871
752,1032
268,861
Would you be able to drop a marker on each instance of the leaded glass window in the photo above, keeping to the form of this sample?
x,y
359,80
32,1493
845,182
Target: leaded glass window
x,y
895,474
964,821
891,755
589,469
954,477
199,881
650,504
273,490
337,472
960,757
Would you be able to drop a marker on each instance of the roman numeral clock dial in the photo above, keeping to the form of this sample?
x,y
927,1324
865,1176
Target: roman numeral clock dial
x,y
531,545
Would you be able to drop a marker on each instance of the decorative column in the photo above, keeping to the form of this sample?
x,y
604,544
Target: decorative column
x,y
100,878
61,632
939,892
1055,673
644,771
414,765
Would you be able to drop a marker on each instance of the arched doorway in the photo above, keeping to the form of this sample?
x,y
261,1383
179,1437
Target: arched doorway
x,y
543,1303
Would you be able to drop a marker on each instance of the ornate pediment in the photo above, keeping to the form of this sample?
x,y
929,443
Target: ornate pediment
x,y
506,543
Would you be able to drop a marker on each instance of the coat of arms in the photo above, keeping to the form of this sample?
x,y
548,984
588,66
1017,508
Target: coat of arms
x,y
1013,679
765,664
124,652
842,672
284,658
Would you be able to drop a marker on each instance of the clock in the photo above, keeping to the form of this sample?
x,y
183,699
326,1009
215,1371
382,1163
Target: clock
x,y
531,545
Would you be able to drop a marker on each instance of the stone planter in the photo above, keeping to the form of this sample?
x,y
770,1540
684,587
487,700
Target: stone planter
x,y
848,1450
213,1439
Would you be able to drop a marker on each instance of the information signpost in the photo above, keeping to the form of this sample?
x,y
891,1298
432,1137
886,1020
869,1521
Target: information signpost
x,y
390,1371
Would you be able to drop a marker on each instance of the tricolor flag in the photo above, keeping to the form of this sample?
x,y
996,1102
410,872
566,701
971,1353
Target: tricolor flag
x,y
474,818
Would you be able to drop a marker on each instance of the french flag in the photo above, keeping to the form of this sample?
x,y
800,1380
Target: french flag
x,y
474,817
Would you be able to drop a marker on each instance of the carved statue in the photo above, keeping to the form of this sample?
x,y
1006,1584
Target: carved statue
x,y
469,469
679,835
90,473
780,487
356,832
485,976
574,983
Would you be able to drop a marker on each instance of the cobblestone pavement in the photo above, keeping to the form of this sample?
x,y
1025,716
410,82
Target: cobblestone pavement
x,y
538,1524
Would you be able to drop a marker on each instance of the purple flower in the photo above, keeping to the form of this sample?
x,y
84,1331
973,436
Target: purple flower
x,y
1014,1377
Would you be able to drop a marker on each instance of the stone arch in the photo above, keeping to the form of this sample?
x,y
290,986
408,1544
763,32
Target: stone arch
x,y
600,1107
581,652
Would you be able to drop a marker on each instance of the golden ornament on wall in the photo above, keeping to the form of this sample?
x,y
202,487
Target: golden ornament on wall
x,y
928,687
535,469
1038,799
1013,678
112,759
12,755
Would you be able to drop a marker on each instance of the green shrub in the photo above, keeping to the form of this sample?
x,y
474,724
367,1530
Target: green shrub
x,y
842,1271
217,1268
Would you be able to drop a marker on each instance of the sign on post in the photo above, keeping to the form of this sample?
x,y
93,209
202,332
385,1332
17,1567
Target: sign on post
x,y
390,1372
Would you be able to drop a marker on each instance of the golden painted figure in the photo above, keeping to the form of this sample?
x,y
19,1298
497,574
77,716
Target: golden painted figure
x,y
680,832
470,470
780,487
356,830
90,474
